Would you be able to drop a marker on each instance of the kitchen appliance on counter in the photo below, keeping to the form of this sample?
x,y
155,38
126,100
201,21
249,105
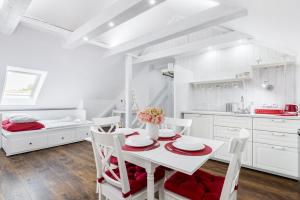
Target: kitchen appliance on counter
x,y
291,108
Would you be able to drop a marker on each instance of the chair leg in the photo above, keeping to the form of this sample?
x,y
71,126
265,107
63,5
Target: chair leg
x,y
161,192
97,188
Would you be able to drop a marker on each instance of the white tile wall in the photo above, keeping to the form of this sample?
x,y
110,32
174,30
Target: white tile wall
x,y
229,62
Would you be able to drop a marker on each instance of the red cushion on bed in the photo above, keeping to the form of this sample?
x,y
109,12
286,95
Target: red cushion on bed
x,y
28,126
6,121
199,186
137,176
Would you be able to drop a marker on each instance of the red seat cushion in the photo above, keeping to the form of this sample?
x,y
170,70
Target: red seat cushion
x,y
27,126
113,160
199,186
137,176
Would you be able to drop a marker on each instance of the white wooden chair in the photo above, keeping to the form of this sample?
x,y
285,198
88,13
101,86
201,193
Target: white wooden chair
x,y
113,183
225,189
111,122
176,123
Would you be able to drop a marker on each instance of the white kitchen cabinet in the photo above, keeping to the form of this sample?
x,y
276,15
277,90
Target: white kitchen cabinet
x,y
278,159
223,153
229,132
276,125
202,126
275,138
232,121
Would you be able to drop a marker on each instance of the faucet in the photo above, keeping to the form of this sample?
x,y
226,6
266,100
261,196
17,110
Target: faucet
x,y
242,109
243,103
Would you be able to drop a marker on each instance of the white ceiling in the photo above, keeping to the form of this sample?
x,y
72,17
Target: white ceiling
x,y
67,14
274,22
160,16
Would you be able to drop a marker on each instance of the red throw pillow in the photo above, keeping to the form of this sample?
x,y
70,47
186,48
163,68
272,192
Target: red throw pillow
x,y
6,121
28,126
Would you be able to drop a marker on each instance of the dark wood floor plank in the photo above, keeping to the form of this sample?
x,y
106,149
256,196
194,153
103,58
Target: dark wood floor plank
x,y
68,173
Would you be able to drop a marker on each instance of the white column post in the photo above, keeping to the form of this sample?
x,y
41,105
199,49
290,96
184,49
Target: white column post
x,y
128,89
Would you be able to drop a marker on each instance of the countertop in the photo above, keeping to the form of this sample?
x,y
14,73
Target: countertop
x,y
204,112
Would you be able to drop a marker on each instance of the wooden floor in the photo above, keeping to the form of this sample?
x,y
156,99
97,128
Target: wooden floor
x,y
68,173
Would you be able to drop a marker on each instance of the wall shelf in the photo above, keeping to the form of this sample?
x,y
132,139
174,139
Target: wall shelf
x,y
228,80
270,65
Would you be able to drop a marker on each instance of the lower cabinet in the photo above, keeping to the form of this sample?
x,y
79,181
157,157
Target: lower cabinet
x,y
278,159
223,153
41,139
61,138
28,144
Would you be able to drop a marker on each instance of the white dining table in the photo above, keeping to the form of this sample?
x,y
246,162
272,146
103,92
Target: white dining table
x,y
154,158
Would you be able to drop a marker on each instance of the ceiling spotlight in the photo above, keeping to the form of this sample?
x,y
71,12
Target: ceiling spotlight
x,y
210,48
152,2
86,38
111,24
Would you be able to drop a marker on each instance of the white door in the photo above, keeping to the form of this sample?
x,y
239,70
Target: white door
x,y
202,126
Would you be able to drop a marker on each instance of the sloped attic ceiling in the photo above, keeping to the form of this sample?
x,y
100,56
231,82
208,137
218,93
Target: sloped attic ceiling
x,y
67,14
275,23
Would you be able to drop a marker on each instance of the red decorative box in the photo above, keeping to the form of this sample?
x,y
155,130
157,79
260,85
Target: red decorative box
x,y
269,111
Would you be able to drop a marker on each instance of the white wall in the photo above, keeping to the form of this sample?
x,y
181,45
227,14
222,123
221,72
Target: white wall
x,y
73,75
227,63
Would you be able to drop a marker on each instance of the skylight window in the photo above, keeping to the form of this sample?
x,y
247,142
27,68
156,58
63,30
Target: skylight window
x,y
22,86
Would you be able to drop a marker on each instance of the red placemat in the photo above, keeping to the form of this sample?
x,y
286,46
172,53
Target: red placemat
x,y
169,146
132,134
146,148
170,138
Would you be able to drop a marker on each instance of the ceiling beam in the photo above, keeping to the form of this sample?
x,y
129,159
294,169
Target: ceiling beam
x,y
118,13
208,18
11,13
202,45
49,28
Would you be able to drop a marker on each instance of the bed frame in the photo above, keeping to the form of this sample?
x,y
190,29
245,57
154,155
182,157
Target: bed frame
x,y
26,141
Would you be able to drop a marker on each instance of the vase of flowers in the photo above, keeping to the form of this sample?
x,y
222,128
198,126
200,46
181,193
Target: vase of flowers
x,y
153,117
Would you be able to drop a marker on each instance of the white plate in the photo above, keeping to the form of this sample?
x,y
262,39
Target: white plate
x,y
138,141
166,133
188,145
125,131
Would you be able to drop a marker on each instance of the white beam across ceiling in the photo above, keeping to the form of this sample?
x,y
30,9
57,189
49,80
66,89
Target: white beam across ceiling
x,y
208,18
11,13
117,13
201,45
44,26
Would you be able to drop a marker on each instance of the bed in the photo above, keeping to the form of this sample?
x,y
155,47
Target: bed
x,y
62,126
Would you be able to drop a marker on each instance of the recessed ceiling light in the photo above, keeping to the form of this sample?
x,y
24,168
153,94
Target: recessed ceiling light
x,y
210,48
152,2
111,24
86,38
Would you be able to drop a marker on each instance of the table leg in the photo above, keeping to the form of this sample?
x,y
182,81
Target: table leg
x,y
150,183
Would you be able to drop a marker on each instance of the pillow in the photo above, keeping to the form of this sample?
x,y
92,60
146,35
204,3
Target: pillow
x,y
6,121
21,118
28,126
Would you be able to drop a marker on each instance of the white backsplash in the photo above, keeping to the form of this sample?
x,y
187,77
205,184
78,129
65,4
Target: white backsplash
x,y
229,62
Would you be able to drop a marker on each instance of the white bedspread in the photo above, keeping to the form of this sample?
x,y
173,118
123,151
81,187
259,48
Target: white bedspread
x,y
49,124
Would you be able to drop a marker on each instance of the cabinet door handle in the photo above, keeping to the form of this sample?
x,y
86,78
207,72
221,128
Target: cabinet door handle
x,y
278,120
62,138
233,129
87,133
30,143
278,134
278,148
